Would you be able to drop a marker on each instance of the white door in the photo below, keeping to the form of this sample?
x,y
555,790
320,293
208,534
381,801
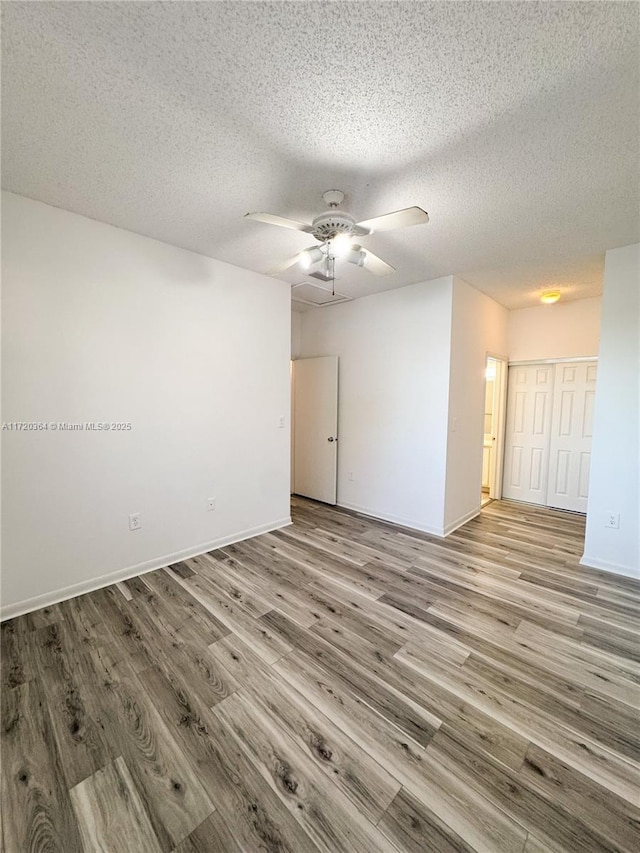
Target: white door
x,y
487,446
497,367
526,459
315,415
571,431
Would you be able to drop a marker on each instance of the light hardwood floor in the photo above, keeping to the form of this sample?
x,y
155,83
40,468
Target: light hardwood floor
x,y
339,685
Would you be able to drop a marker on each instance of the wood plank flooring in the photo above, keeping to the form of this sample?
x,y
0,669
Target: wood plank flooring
x,y
342,685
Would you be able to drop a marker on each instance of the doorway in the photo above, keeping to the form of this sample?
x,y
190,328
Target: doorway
x,y
315,428
493,430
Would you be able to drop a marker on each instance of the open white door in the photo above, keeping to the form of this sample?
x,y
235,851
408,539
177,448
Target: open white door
x,y
498,428
494,425
315,414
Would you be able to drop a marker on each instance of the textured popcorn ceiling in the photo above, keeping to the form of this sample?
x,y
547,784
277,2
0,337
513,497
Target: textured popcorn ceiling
x,y
514,124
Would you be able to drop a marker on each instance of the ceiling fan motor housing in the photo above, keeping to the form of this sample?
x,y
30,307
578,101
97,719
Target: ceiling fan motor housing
x,y
328,225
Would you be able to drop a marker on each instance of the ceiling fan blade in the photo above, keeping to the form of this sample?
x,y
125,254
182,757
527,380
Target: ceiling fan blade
x,y
272,219
375,264
398,219
284,265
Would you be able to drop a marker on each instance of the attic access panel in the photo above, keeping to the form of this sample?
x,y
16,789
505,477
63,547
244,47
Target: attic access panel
x,y
307,293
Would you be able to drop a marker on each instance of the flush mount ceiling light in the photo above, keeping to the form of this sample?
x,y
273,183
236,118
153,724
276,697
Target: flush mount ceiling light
x,y
550,296
334,230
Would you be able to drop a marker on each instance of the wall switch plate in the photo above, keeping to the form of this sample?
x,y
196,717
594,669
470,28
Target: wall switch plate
x,y
211,504
134,521
351,476
612,520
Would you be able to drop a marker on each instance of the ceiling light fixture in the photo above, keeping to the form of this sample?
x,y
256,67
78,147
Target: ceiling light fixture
x,y
357,256
339,245
550,296
310,256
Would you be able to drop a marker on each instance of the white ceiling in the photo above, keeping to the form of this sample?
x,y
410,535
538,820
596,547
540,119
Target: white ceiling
x,y
514,124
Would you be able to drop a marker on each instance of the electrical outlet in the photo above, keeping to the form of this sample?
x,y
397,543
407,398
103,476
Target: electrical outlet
x,y
211,504
281,422
612,520
134,521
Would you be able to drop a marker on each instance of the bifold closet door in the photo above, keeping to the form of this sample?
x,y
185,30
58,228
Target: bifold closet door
x,y
548,434
528,430
571,430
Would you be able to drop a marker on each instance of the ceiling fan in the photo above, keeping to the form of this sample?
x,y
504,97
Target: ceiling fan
x,y
336,232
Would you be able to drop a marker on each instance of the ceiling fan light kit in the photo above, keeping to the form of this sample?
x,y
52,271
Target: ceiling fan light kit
x,y
340,245
310,256
357,256
334,230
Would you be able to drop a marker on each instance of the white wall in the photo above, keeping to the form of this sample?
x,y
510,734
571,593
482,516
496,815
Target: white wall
x,y
296,322
562,330
615,458
393,350
105,325
479,327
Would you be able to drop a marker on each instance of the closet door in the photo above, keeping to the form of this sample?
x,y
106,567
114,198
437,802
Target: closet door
x,y
571,431
528,430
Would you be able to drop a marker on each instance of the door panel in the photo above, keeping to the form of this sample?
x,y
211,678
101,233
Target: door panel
x,y
315,408
526,464
571,430
536,474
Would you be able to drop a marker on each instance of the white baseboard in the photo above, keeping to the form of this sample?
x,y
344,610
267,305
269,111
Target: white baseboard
x,y
9,611
454,525
440,532
605,566
395,519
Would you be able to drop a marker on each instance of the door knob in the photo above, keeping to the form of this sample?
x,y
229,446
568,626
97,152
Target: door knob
x,y
331,438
